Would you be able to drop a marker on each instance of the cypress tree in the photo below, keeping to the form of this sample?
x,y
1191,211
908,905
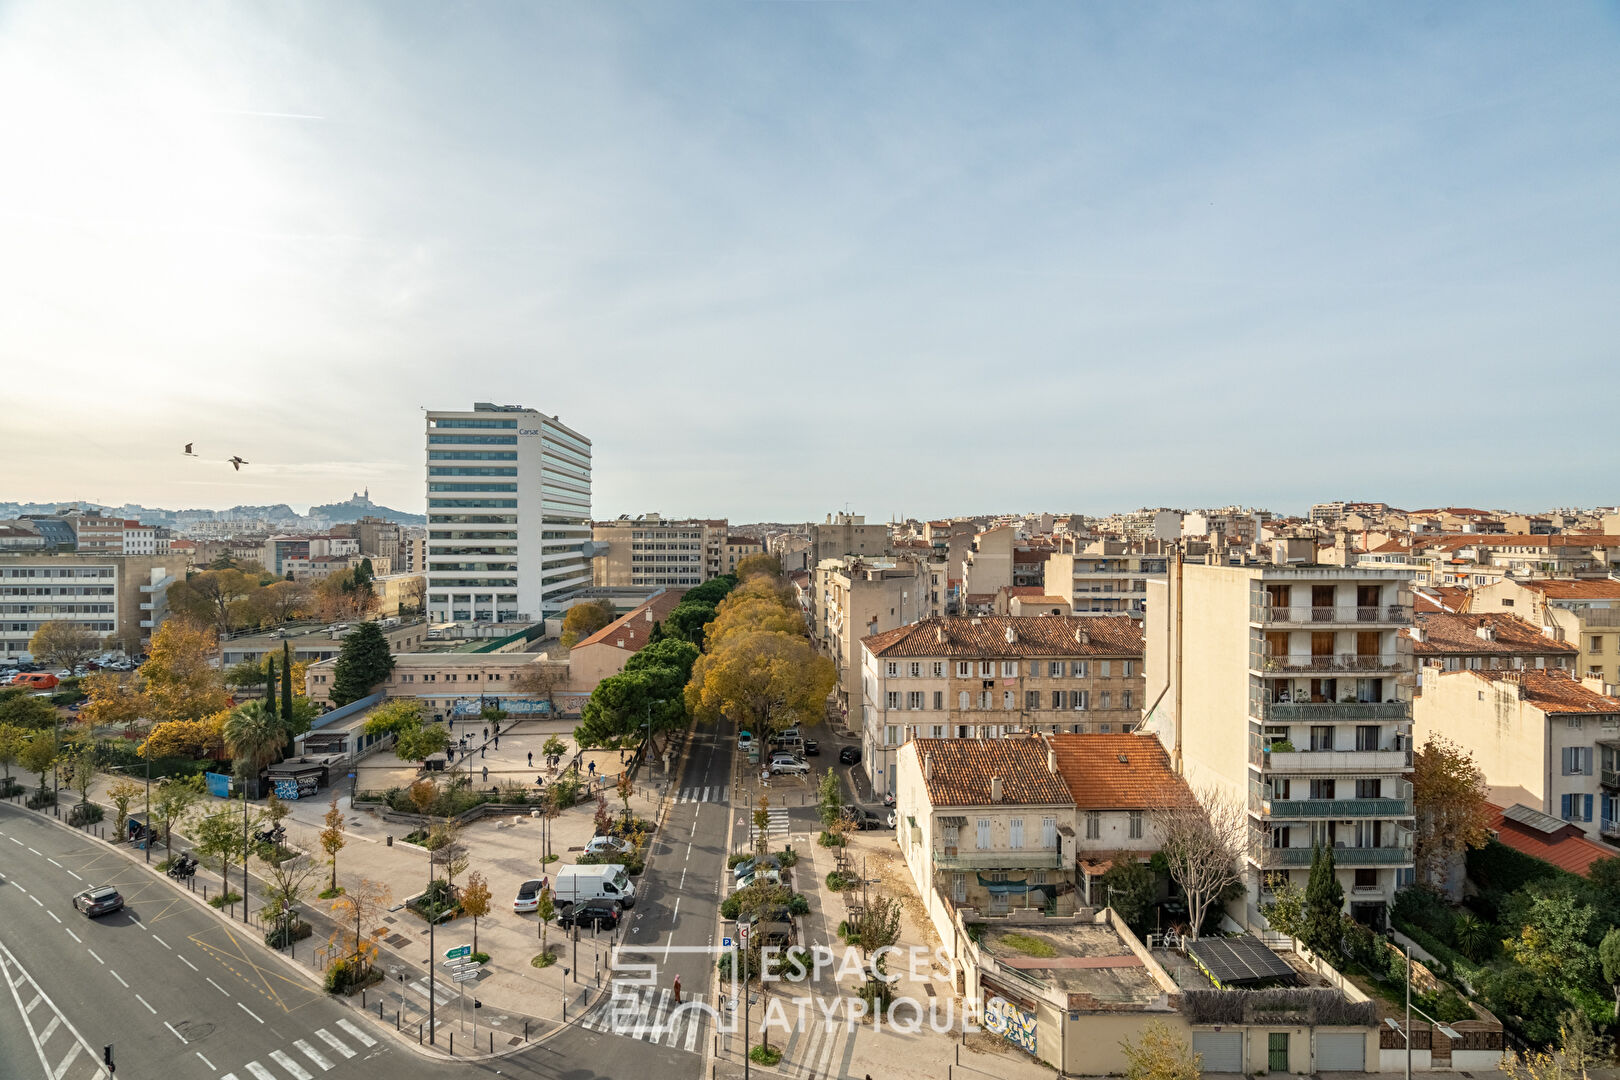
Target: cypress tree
x,y
270,686
362,663
286,683
1324,903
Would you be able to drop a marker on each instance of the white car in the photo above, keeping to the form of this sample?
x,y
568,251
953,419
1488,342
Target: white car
x,y
787,763
528,895
770,874
745,743
607,845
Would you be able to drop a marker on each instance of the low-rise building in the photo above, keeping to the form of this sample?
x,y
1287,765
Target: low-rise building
x,y
312,644
605,652
1586,613
461,684
1442,641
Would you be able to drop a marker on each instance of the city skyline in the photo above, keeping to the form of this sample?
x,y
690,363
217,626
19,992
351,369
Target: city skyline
x,y
1070,252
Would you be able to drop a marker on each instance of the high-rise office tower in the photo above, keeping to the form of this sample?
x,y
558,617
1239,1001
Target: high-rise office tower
x,y
509,515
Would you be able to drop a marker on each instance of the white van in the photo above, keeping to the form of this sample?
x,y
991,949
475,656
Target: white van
x,y
605,881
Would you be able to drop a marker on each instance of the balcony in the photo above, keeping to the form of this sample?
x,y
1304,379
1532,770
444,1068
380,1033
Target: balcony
x,y
1610,829
1336,808
1609,778
1316,616
1342,856
1310,712
1366,664
1390,760
1031,859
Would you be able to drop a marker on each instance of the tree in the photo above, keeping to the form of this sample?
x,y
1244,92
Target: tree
x,y
669,654
1204,842
712,591
353,911
38,755
830,800
1571,1057
81,765
64,644
475,901
1609,957
214,598
1160,1054
12,740
332,840
284,601
1448,798
758,565
547,910
255,737
271,706
1286,912
583,620
348,594
1553,943
413,596
178,680
1130,888
766,681
287,883
185,738
1324,903
174,799
362,663
762,826
420,743
218,835
122,793
451,853
20,707
288,674
622,703
541,680
687,620
423,794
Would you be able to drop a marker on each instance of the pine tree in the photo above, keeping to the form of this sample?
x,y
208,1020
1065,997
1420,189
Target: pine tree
x,y
270,687
286,683
656,634
363,663
1324,902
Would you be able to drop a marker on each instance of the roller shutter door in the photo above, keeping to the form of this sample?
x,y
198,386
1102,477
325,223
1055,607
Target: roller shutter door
x,y
1341,1051
1223,1050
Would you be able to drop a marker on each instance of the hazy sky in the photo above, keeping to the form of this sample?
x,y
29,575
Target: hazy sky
x,y
779,257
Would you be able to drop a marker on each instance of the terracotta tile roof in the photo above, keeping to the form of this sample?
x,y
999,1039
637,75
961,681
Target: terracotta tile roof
x,y
1447,634
629,632
1024,590
1555,589
1033,555
962,769
1556,692
1043,598
1549,541
1098,779
985,636
1391,546
1567,849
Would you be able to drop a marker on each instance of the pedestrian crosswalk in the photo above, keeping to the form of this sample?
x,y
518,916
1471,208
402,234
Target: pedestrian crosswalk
x,y
648,1015
303,1060
812,1050
776,823
61,1050
703,794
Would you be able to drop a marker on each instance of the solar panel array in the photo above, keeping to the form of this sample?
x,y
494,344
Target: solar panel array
x,y
1234,961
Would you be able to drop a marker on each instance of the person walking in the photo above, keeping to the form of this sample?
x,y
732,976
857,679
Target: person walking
x,y
531,759
677,989
486,772
592,770
486,733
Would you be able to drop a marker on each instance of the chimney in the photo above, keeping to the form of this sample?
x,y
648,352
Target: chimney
x,y
1486,632
995,789
928,766
1051,760
1082,636
1011,635
939,633
1419,633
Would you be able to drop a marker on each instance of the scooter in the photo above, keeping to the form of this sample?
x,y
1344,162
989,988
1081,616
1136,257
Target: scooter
x,y
888,800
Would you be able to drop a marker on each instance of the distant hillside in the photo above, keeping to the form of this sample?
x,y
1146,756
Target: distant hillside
x,y
360,505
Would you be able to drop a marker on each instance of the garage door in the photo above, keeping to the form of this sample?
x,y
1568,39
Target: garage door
x,y
1223,1051
1341,1051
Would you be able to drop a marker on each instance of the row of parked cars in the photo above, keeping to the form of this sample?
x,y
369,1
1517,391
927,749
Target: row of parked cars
x,y
590,895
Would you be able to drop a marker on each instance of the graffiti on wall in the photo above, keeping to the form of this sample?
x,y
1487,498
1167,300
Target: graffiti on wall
x,y
1012,1023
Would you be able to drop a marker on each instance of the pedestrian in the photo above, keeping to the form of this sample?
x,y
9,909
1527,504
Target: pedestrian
x,y
452,721
677,989
592,770
486,772
481,750
497,742
531,759
765,777
486,733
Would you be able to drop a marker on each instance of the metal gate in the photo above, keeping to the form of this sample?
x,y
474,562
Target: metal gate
x,y
1341,1051
1223,1051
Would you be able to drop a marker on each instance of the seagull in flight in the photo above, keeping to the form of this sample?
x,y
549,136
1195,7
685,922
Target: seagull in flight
x,y
236,463
188,451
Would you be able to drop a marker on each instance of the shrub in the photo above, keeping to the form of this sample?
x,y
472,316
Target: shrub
x,y
746,967
330,894
85,813
543,960
1029,945
480,957
40,799
223,899
282,936
789,858
765,1055
799,904
10,789
838,882
830,839
435,900
737,857
730,906
347,974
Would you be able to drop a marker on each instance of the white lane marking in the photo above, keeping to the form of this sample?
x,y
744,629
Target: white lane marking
x,y
53,862
249,1011
188,963
160,941
205,1061
30,1006
218,987
50,1029
674,917
227,1076
119,977
74,936
74,876
19,886
298,1071
144,1002
98,959
682,885
179,1036
55,916
35,899
9,960
14,840
35,852
63,1067
365,1040
334,1042
260,1071
313,1054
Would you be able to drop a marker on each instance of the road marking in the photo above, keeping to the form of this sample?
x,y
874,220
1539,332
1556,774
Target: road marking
x,y
54,915
260,1071
14,840
30,1008
334,1042
143,1002
50,1029
35,852
53,862
35,899
119,977
18,886
313,1054
682,885
188,963
249,1011
205,1061
298,1071
160,941
75,877
62,1068
98,959
218,987
227,1076
179,1036
365,1040
74,936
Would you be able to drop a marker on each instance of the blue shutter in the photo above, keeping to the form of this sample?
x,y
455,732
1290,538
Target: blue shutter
x,y
1564,801
1587,812
1586,761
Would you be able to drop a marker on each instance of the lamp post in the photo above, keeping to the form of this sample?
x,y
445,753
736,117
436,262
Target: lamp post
x,y
432,954
244,849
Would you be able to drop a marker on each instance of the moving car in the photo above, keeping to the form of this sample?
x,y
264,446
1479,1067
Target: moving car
x,y
99,900
861,818
528,895
787,763
746,867
812,748
607,845
601,914
849,755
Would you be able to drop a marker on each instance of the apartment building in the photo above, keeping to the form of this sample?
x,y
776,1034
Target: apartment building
x,y
847,534
964,677
1287,686
649,550
509,515
738,548
1585,613
121,597
793,550
1105,577
141,539
98,535
1446,641
855,598
1544,739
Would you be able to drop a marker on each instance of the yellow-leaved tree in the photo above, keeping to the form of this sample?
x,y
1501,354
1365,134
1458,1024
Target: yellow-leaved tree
x,y
179,679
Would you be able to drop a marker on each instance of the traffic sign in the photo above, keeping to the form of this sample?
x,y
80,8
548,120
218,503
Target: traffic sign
x,y
742,932
456,951
465,975
725,943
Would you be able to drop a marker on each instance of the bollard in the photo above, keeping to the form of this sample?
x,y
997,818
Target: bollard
x,y
492,1042
452,1044
419,1033
525,1031
565,1008
396,1019
362,997
379,1010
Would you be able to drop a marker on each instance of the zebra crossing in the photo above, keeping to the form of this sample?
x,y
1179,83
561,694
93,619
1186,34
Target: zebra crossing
x,y
650,1016
298,1065
62,1051
703,794
776,823
810,1050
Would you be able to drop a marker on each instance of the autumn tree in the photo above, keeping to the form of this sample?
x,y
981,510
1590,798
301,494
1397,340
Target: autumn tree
x,y
766,681
179,679
287,882
116,700
353,911
185,738
1160,1054
475,901
64,644
413,596
37,756
585,619
1204,842
347,594
763,565
20,707
448,849
215,598
174,799
122,793
12,740
1571,1057
1448,797
332,840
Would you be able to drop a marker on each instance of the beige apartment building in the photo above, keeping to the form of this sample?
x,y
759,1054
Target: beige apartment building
x,y
1584,613
456,684
738,548
1105,577
855,598
1447,641
649,550
847,534
1287,686
1544,739
966,677
122,598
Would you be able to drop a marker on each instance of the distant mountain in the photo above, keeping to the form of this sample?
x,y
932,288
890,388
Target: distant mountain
x,y
359,505
353,508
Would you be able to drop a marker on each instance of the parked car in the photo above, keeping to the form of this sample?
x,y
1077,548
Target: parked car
x,y
849,755
812,748
601,914
770,875
893,819
858,817
99,900
776,913
746,867
745,743
528,895
787,735
607,845
787,763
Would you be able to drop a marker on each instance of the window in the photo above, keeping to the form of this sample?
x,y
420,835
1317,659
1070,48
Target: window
x,y
1576,807
939,669
984,834
1366,880
939,699
1093,825
891,734
1578,761
891,700
1104,668
963,669
1007,699
1136,825
984,699
1102,700
1369,789
1034,668
1595,644
1059,699
1321,737
1032,700
1323,789
1048,832
1124,699
891,669
1575,724
914,699
1055,669
1015,832
962,700
1367,737
959,887
1081,699
936,731
916,671
1079,669
1009,669
1127,667
987,668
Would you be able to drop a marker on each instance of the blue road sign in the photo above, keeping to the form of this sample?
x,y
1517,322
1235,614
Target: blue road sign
x,y
725,943
458,951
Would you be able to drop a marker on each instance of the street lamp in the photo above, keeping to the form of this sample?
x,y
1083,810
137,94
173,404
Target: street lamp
x,y
432,953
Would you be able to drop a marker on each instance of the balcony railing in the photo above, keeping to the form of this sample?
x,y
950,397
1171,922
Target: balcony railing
x,y
1609,778
1023,859
1611,828
1342,856
1341,613
1282,712
1336,808
1334,662
1391,759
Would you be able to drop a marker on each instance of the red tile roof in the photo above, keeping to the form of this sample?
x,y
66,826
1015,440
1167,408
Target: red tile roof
x,y
962,770
1566,849
985,636
1446,634
1117,772
629,632
1555,692
1563,589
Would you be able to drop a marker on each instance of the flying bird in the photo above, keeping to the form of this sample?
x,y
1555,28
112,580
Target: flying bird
x,y
236,463
188,451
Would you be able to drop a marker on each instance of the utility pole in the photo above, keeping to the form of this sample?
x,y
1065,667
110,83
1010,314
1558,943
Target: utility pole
x,y
244,849
1409,1012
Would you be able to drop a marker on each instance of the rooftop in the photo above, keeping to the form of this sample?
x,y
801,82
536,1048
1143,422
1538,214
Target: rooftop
x,y
1556,692
629,632
1091,960
988,636
1606,589
963,768
1116,772
1447,634
1545,837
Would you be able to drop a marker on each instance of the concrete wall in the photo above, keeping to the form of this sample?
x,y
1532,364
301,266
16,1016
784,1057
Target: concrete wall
x,y
1508,737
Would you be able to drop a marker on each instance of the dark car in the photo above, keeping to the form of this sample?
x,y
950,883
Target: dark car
x,y
850,755
98,901
602,914
859,817
812,748
775,914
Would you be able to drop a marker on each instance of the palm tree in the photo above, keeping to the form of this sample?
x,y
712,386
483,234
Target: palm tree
x,y
254,736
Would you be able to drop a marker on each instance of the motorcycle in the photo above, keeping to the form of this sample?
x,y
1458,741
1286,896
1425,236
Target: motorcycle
x,y
183,868
271,836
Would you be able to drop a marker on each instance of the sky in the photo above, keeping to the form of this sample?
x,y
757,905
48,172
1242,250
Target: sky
x,y
778,259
